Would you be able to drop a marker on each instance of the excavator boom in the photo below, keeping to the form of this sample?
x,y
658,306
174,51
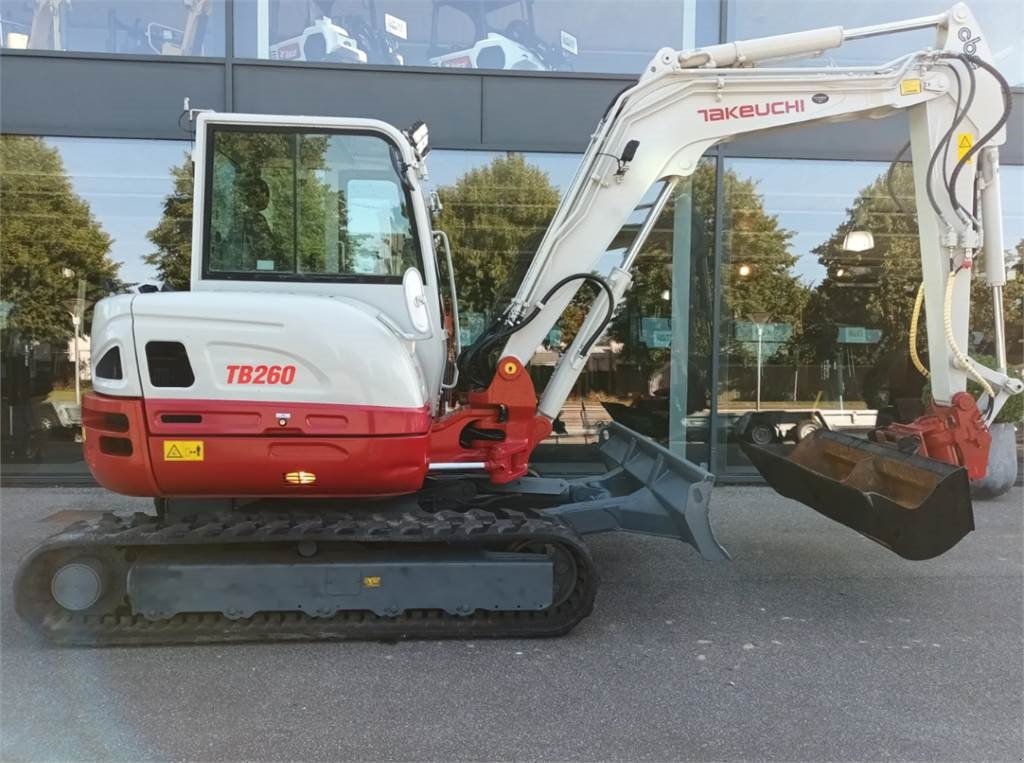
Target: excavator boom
x,y
907,488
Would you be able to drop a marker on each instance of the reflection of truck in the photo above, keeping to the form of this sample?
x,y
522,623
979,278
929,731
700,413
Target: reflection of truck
x,y
322,40
351,39
60,417
795,424
650,414
515,46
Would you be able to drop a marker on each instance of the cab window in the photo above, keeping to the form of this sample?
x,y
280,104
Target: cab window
x,y
284,204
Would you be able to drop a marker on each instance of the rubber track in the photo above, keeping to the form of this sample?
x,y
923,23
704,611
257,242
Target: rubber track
x,y
120,534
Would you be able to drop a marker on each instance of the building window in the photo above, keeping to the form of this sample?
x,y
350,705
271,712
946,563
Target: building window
x,y
140,27
100,216
652,371
78,217
519,35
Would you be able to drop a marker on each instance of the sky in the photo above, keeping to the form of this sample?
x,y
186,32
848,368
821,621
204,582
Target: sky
x,y
126,181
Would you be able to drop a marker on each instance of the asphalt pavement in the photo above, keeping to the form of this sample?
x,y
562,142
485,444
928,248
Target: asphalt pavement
x,y
813,644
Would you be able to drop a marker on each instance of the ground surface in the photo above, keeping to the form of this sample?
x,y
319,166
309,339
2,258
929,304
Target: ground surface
x,y
814,644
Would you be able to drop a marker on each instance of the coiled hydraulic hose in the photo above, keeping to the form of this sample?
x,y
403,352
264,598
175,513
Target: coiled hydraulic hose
x,y
960,355
914,318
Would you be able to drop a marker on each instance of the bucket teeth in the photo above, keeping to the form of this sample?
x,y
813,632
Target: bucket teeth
x,y
917,507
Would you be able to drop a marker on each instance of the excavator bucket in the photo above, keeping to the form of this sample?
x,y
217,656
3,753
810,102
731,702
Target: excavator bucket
x,y
917,507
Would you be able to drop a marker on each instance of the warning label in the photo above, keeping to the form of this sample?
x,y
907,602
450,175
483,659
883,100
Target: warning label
x,y
183,450
910,87
964,143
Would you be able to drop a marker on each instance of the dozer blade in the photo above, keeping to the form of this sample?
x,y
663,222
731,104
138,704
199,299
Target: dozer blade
x,y
917,507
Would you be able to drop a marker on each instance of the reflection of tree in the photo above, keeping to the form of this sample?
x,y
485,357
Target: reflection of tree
x,y
288,164
982,313
494,216
45,228
758,278
876,288
172,236
652,276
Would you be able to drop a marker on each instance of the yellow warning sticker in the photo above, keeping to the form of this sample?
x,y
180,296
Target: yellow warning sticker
x,y
964,143
910,87
371,581
183,450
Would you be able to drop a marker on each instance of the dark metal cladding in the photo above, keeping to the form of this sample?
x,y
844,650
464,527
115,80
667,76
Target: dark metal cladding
x,y
917,507
162,584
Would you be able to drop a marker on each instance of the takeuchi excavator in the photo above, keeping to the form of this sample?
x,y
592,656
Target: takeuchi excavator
x,y
327,462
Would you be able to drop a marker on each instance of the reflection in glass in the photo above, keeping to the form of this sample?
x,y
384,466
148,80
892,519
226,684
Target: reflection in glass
x,y
651,372
818,326
522,35
800,331
116,214
55,256
662,333
142,27
73,219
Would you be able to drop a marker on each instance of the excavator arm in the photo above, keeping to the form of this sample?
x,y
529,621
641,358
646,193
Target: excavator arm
x,y
688,101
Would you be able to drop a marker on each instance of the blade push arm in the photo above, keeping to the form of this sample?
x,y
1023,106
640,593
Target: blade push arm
x,y
688,101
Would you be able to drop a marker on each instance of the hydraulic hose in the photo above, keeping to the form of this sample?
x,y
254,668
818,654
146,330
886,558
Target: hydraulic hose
x,y
914,318
1004,88
960,355
479,351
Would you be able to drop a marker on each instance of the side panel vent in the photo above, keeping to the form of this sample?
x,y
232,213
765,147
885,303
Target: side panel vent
x,y
168,365
109,366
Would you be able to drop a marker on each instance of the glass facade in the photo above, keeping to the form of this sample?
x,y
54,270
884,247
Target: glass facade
x,y
132,231
653,368
520,35
810,321
78,218
751,310
139,27
804,325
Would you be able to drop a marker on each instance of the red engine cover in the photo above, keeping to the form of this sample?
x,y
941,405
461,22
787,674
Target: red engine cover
x,y
218,448
240,449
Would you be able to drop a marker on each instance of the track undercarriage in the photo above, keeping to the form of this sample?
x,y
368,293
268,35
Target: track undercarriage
x,y
462,558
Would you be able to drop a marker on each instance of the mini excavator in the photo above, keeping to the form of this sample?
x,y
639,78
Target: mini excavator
x,y
327,462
